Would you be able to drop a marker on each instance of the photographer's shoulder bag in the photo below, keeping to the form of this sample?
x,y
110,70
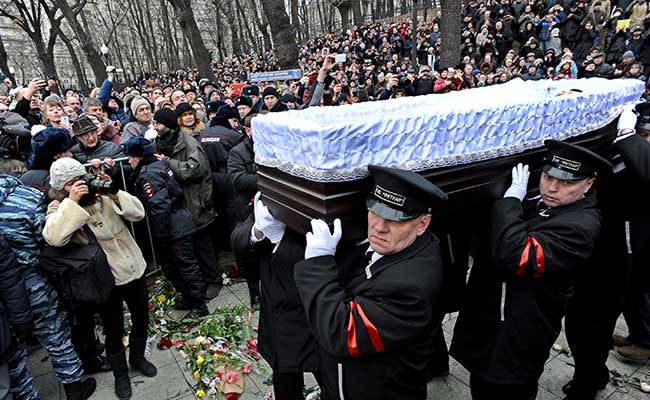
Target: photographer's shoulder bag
x,y
80,272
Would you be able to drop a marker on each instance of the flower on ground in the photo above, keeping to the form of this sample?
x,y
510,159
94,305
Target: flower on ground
x,y
200,361
247,368
232,377
161,298
196,375
232,396
200,393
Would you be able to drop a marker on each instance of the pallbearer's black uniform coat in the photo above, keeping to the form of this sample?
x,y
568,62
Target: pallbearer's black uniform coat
x,y
374,325
520,285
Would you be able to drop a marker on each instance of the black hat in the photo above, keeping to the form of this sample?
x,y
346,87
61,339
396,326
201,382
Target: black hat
x,y
213,106
288,98
167,117
568,162
243,101
401,195
184,107
82,126
51,141
643,112
137,146
269,91
227,112
250,90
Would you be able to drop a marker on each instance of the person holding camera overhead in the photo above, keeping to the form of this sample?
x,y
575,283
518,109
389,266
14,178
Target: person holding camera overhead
x,y
87,201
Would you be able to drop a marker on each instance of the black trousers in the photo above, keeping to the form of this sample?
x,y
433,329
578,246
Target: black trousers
x,y
205,254
180,266
136,297
482,390
289,386
82,331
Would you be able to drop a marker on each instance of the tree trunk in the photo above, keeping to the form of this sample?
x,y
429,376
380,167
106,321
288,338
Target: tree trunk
x,y
4,67
92,55
390,8
185,18
450,26
295,21
286,48
229,12
357,12
344,11
81,79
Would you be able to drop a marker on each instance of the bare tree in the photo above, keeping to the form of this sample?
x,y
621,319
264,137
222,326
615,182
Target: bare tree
x,y
4,66
81,77
284,37
29,16
85,38
185,18
451,29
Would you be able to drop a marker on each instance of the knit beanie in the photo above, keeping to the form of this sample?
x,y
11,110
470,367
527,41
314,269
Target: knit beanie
x,y
269,91
63,170
166,117
183,108
137,102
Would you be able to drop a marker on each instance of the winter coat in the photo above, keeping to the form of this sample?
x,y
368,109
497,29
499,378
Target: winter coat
x,y
132,129
521,283
191,168
217,142
638,13
65,220
284,338
193,131
15,309
374,322
243,172
105,96
23,108
22,216
616,48
278,107
555,43
162,197
570,27
586,40
102,150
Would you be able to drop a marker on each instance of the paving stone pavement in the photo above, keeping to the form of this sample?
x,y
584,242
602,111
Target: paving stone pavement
x,y
175,383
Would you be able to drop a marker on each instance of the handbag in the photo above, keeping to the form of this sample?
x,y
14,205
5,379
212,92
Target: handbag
x,y
81,273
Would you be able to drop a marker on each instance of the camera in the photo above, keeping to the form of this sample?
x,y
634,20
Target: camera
x,y
15,136
403,80
99,186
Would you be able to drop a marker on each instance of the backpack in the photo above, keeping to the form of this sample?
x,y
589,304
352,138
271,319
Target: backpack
x,y
80,273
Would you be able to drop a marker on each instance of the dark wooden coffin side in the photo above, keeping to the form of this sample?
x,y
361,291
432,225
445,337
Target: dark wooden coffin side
x,y
295,201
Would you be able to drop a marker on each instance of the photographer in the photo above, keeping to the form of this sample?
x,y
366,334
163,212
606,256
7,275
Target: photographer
x,y
80,202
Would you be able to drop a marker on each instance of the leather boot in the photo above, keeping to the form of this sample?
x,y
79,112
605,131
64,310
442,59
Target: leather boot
x,y
121,374
93,362
197,311
137,360
80,390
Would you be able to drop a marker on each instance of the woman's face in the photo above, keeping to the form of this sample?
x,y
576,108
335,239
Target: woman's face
x,y
53,113
188,119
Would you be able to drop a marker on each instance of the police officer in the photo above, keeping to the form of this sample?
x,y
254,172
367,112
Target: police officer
x,y
375,316
523,278
170,222
618,275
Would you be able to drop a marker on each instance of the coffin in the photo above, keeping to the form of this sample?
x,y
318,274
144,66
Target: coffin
x,y
313,163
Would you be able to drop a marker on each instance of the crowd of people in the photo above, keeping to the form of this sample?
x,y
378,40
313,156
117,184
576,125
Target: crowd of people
x,y
173,157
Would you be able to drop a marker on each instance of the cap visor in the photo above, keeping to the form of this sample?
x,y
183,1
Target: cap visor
x,y
562,175
384,211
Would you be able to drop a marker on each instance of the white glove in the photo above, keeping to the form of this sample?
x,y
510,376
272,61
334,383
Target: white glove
x,y
627,119
320,242
264,221
519,185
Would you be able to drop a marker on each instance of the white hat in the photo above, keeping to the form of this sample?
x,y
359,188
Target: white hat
x,y
63,170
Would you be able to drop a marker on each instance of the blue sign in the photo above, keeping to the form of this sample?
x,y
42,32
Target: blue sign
x,y
275,75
